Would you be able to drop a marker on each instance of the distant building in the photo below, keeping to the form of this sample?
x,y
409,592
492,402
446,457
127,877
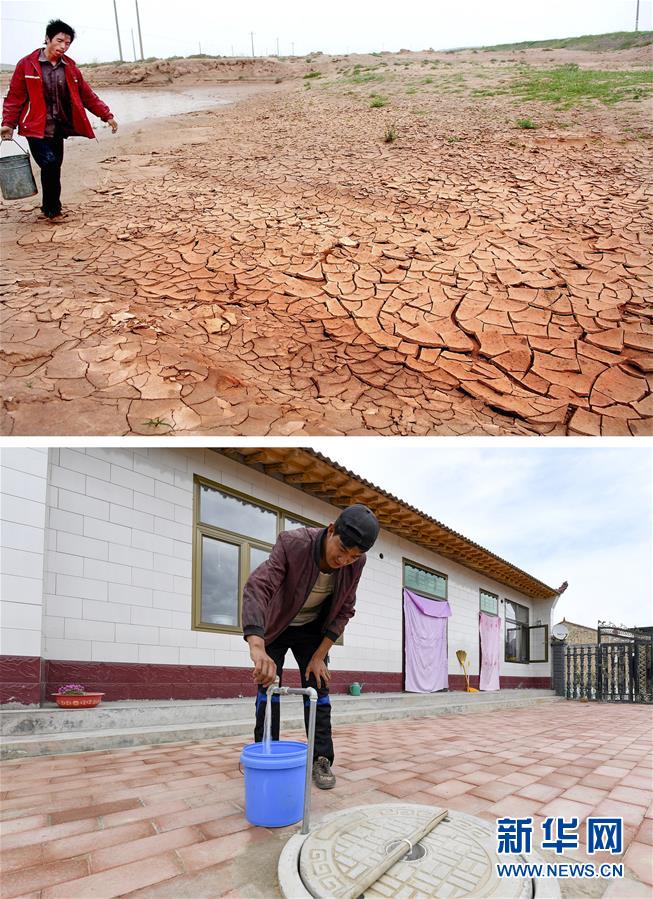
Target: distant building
x,y
579,633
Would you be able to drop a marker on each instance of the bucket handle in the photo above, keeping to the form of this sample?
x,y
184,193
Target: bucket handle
x,y
240,768
24,152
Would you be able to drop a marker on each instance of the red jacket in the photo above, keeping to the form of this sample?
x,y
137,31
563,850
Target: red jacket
x,y
279,587
24,105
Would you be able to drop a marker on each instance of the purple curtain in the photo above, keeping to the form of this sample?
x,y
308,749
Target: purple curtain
x,y
490,627
426,643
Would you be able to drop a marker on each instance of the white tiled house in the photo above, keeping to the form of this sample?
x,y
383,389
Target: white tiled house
x,y
103,581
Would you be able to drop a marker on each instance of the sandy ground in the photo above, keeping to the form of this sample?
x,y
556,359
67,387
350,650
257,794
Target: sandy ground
x,y
275,268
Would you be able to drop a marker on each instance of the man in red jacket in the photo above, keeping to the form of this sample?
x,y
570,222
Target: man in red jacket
x,y
301,599
46,100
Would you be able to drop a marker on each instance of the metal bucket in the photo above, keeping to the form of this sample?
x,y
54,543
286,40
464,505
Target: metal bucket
x,y
16,178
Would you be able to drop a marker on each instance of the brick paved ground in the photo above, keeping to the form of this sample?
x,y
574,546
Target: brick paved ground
x,y
168,820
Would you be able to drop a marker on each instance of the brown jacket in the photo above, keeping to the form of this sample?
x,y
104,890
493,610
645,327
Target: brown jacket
x,y
279,587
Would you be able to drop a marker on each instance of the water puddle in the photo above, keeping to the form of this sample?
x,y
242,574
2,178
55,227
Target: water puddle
x,y
129,106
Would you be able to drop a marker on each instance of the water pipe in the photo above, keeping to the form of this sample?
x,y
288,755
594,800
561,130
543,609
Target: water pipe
x,y
311,692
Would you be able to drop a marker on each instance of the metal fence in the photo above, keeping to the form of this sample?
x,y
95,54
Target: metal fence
x,y
610,672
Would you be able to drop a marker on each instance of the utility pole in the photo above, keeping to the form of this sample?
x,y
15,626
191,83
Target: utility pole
x,y
115,12
200,46
133,45
637,17
292,49
251,34
277,46
140,37
232,51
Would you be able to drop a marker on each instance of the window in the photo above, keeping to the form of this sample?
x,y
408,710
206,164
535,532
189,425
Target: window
x,y
516,632
234,513
292,522
489,603
424,581
538,645
234,534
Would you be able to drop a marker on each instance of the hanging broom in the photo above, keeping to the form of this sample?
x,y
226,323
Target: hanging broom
x,y
461,655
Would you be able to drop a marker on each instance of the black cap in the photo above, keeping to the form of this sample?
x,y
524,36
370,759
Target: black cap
x,y
357,526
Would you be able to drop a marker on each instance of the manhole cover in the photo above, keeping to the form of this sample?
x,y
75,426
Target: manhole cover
x,y
455,859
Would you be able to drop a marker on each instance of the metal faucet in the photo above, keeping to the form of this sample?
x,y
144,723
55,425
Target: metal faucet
x,y
311,692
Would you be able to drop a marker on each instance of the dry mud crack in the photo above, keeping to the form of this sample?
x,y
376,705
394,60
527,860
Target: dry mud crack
x,y
291,273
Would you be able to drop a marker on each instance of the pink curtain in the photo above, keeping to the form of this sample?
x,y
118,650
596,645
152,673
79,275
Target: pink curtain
x,y
426,643
490,627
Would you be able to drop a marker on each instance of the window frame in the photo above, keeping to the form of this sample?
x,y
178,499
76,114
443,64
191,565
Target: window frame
x,y
481,591
516,625
534,627
202,529
406,561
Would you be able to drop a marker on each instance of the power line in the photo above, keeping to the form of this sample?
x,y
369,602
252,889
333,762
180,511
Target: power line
x,y
32,22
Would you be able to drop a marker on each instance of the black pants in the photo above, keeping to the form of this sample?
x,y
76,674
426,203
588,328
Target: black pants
x,y
48,155
302,642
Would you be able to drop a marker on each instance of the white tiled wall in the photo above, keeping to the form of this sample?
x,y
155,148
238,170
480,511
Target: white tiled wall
x,y
117,583
23,494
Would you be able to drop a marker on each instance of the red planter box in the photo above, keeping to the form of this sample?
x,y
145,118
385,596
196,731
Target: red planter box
x,y
83,701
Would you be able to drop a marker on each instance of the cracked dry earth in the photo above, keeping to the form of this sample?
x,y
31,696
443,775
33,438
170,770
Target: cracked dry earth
x,y
290,273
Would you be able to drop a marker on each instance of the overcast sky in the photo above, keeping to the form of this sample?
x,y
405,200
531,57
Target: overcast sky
x,y
222,28
583,515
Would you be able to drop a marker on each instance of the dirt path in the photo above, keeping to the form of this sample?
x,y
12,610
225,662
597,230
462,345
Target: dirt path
x,y
275,268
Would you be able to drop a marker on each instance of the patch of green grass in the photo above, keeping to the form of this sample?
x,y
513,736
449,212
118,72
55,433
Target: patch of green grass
x,y
428,80
157,423
390,135
364,75
378,101
636,134
452,139
526,123
568,85
313,74
613,40
411,90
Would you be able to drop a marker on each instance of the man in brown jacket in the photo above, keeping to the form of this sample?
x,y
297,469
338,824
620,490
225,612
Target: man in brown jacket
x,y
301,599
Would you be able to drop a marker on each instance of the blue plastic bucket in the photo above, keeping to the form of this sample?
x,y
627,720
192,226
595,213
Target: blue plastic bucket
x,y
274,782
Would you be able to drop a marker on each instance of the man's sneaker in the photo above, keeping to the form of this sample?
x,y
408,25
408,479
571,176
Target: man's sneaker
x,y
322,775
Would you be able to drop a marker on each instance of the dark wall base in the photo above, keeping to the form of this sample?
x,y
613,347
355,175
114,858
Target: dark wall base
x,y
457,682
20,679
130,681
30,680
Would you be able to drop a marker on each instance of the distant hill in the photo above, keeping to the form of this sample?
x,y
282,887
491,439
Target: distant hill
x,y
614,40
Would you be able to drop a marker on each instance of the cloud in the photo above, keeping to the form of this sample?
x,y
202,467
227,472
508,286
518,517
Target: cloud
x,y
560,513
607,583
